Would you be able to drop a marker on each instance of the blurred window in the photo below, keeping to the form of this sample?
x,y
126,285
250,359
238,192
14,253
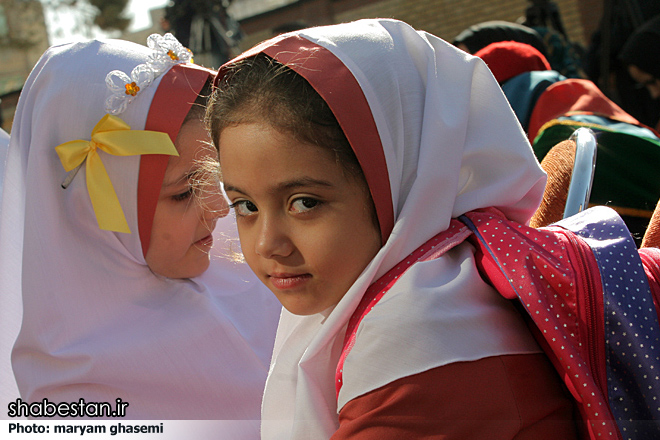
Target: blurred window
x,y
4,29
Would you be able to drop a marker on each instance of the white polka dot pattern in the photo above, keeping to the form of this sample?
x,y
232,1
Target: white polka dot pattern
x,y
632,333
538,265
555,274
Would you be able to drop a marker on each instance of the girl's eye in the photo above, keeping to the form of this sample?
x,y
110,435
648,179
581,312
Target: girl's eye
x,y
243,208
183,196
304,204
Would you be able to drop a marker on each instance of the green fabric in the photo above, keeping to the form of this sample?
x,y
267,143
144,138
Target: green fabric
x,y
627,163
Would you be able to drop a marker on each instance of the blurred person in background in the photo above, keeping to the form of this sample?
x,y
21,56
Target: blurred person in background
x,y
641,58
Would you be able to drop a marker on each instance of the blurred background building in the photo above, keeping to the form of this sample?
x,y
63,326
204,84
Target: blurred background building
x,y
218,29
260,19
23,38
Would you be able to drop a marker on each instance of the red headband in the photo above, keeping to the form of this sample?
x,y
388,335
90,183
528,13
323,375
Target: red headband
x,y
172,101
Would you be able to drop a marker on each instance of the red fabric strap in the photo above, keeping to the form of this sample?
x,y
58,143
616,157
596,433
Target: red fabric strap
x,y
176,93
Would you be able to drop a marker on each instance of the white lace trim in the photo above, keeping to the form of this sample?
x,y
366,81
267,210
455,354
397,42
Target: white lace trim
x,y
167,51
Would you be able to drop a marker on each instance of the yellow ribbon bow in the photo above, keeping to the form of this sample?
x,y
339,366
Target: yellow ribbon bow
x,y
115,137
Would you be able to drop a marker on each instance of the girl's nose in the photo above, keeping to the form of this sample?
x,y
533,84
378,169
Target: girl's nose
x,y
272,239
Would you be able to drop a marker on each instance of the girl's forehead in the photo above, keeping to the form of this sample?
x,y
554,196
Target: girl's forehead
x,y
262,138
278,156
195,150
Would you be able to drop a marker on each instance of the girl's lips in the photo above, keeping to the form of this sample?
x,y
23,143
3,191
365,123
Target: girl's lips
x,y
208,239
205,241
289,281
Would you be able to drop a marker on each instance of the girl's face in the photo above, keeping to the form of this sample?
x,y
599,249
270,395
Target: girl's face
x,y
306,228
189,204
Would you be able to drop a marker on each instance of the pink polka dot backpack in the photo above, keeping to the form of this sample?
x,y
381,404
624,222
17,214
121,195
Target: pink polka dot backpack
x,y
591,299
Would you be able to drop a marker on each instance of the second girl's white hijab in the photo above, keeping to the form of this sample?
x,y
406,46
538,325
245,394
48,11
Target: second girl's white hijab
x,y
10,308
436,138
97,323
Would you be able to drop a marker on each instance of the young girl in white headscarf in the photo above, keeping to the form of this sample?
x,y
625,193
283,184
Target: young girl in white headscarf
x,y
107,224
344,151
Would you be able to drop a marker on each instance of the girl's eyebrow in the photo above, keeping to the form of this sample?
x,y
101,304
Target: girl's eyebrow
x,y
287,185
304,181
229,187
184,178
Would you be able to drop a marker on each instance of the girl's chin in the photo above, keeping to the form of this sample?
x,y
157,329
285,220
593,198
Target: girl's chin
x,y
185,271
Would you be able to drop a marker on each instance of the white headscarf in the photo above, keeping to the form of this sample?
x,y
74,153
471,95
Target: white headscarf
x,y
10,308
436,138
4,147
97,323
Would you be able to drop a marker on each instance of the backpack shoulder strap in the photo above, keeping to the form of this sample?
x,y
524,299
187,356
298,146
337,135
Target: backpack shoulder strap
x,y
582,284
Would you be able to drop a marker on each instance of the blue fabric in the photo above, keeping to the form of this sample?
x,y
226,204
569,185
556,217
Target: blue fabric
x,y
524,90
632,331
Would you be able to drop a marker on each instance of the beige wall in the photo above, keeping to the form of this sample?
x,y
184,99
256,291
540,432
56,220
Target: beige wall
x,y
445,18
